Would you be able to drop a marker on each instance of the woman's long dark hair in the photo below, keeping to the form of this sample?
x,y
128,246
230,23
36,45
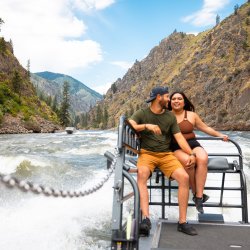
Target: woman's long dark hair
x,y
188,105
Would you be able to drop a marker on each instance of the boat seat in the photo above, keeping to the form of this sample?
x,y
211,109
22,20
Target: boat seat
x,y
218,164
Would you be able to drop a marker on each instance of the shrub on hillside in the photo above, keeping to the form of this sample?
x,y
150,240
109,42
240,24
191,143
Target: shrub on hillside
x,y
1,115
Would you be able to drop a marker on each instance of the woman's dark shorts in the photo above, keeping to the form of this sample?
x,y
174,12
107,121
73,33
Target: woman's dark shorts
x,y
193,143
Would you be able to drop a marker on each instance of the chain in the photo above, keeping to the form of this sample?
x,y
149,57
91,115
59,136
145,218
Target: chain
x,y
26,186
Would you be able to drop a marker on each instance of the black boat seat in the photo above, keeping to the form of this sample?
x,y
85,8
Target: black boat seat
x,y
218,164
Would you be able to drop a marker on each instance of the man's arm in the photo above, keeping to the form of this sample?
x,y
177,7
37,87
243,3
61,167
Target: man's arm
x,y
140,127
186,148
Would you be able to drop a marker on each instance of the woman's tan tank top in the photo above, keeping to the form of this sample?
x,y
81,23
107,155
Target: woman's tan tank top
x,y
187,127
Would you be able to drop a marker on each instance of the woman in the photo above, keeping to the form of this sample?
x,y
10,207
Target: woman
x,y
188,120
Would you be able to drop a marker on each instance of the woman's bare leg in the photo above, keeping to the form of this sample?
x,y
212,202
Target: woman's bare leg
x,y
201,170
183,158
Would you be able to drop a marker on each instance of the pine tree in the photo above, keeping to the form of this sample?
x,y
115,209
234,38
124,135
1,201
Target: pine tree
x,y
65,105
54,104
99,115
236,7
11,44
3,46
77,120
113,88
84,120
1,22
217,19
16,83
105,117
28,68
49,100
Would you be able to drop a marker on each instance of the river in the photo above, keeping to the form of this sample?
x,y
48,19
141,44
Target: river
x,y
68,162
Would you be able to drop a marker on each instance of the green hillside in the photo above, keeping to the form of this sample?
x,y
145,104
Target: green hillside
x,y
21,111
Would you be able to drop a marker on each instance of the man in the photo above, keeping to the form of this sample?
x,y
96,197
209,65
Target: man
x,y
156,126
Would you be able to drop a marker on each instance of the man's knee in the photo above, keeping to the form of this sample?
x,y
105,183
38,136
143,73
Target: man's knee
x,y
143,173
181,176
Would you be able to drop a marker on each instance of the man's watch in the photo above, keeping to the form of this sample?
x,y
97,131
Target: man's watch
x,y
194,154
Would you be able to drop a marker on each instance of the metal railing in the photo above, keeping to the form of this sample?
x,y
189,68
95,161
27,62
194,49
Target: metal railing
x,y
128,144
217,164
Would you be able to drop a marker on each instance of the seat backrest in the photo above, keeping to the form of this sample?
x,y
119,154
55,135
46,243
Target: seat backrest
x,y
128,138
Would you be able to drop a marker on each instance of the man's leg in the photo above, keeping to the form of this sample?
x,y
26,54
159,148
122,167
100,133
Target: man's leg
x,y
181,176
142,177
173,169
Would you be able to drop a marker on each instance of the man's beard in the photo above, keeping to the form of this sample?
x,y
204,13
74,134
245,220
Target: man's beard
x,y
164,104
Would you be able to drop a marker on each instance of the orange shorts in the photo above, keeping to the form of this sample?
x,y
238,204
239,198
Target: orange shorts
x,y
165,161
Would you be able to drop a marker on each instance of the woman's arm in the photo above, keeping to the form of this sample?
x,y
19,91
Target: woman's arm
x,y
202,126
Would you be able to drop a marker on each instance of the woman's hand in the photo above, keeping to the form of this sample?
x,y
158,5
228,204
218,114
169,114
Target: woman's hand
x,y
225,137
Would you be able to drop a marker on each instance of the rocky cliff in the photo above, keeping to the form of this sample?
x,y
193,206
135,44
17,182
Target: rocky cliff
x,y
212,68
20,109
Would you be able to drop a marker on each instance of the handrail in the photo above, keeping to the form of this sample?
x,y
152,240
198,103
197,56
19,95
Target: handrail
x,y
167,187
136,203
229,140
127,144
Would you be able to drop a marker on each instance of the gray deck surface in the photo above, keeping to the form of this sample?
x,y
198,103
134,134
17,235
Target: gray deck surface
x,y
210,237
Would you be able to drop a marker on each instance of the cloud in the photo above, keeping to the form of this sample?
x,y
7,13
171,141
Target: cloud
x,y
63,56
206,16
49,33
122,64
90,5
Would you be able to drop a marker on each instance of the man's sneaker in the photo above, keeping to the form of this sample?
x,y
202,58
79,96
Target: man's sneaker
x,y
186,228
199,205
145,227
205,197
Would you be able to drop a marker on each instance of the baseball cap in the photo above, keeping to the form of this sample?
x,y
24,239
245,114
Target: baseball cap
x,y
157,91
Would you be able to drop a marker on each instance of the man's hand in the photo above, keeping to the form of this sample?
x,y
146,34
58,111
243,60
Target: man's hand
x,y
154,128
186,148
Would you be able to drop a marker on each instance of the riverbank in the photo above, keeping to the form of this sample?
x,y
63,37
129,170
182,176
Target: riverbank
x,y
16,125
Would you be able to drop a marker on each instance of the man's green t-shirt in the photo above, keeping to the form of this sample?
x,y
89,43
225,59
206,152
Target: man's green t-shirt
x,y
167,123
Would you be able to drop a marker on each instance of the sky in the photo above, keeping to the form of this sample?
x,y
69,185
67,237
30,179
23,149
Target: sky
x,y
97,41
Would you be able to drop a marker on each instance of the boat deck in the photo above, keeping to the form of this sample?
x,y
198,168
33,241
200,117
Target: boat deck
x,y
210,236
